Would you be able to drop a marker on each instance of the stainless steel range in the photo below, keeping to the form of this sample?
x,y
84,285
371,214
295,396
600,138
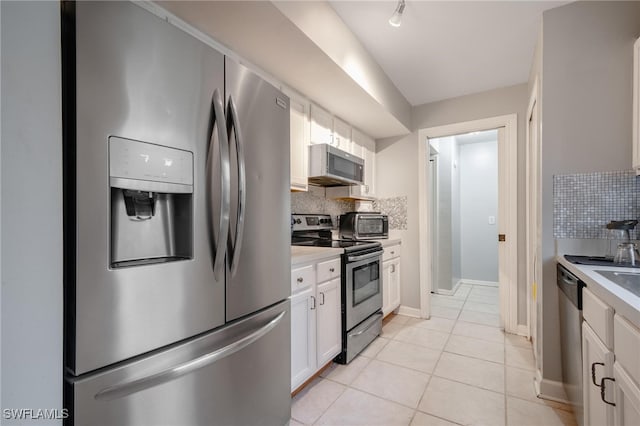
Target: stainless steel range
x,y
361,281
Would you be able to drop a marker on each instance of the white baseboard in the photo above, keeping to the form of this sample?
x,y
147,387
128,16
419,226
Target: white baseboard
x,y
478,282
523,330
410,312
550,389
449,292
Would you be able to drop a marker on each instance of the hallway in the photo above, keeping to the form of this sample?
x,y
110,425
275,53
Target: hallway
x,y
456,368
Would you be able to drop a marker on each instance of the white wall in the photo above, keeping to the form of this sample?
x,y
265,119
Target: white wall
x,y
397,171
31,207
586,74
397,175
478,201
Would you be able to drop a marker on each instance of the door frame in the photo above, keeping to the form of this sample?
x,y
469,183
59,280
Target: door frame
x,y
533,214
434,202
507,211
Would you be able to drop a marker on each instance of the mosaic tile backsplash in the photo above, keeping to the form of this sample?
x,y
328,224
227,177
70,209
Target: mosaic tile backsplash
x,y
395,208
315,202
584,203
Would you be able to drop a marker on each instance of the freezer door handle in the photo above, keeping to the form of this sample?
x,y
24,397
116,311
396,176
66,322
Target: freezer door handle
x,y
225,186
137,385
235,247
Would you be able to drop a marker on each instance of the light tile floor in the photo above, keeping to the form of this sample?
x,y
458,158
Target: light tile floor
x,y
456,368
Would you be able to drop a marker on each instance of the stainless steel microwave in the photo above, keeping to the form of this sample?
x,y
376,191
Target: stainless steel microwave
x,y
330,166
364,226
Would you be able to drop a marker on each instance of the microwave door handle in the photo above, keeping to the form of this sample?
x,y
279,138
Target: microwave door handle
x,y
127,388
235,247
218,245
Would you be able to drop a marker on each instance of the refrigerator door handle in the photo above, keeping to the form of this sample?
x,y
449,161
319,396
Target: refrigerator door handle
x,y
225,186
127,388
235,247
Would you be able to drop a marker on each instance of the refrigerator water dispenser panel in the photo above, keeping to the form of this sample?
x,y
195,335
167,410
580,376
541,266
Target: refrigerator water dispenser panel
x,y
151,203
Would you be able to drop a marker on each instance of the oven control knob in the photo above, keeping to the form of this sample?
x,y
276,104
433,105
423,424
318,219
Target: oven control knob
x,y
298,221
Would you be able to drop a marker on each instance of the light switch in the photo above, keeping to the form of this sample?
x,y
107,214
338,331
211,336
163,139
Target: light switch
x,y
492,220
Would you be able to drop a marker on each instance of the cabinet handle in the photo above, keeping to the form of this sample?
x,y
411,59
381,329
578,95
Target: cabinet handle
x,y
393,268
300,279
593,372
332,269
602,390
313,306
393,252
322,303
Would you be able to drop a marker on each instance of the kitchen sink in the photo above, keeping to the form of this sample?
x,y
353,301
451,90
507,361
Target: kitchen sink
x,y
627,280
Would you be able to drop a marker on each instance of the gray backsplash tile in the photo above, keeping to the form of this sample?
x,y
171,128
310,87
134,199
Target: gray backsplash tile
x,y
395,208
314,202
584,203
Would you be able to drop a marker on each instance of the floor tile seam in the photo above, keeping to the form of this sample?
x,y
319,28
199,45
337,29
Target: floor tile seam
x,y
538,401
329,406
389,400
468,384
472,357
405,367
479,338
438,416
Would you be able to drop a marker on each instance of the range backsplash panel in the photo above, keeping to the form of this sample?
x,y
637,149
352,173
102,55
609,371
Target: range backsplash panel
x,y
314,201
584,203
395,208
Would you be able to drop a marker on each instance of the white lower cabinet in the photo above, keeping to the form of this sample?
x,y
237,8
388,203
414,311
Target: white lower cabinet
x,y
303,343
390,279
611,365
315,318
597,361
329,342
627,398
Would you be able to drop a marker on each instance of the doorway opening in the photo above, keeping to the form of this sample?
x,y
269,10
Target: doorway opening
x,y
464,196
503,222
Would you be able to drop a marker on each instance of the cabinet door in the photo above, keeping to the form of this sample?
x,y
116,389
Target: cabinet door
x,y
299,141
321,126
627,398
597,362
303,337
394,284
329,339
342,135
364,147
386,291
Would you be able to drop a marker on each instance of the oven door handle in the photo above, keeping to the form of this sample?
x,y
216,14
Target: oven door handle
x,y
364,256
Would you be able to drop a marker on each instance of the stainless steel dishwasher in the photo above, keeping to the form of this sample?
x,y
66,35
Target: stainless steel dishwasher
x,y
570,307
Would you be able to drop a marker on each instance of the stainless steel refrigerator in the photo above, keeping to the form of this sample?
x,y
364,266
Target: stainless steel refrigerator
x,y
176,227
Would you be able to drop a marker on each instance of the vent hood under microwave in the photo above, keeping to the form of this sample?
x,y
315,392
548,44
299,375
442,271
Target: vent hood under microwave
x,y
330,166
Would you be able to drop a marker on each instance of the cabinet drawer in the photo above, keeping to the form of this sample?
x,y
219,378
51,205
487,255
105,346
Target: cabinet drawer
x,y
328,270
391,252
599,316
302,278
627,342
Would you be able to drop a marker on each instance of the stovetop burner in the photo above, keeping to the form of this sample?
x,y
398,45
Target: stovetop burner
x,y
314,230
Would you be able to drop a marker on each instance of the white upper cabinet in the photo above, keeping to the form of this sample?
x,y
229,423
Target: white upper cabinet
x,y
321,126
299,141
342,135
636,106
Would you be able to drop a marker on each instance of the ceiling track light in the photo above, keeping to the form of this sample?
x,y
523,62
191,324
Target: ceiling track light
x,y
396,18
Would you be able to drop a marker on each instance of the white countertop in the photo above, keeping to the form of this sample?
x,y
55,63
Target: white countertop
x,y
303,254
390,242
623,301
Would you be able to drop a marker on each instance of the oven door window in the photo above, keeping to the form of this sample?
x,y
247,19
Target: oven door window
x,y
366,282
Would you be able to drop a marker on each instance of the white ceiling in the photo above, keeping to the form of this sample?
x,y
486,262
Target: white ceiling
x,y
445,49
